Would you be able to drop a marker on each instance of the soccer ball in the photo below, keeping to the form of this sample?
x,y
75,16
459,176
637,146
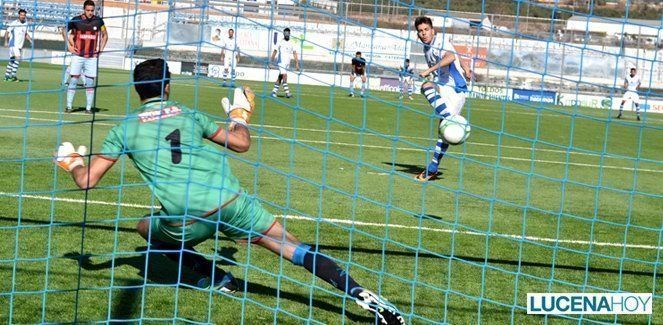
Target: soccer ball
x,y
454,129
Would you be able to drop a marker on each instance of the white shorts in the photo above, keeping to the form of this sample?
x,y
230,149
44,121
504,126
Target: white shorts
x,y
631,95
283,68
452,99
15,52
229,62
83,66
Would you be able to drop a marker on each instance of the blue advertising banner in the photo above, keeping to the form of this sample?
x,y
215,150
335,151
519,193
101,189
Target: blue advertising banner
x,y
539,96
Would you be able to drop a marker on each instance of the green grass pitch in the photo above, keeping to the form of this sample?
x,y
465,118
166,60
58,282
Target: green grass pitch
x,y
540,199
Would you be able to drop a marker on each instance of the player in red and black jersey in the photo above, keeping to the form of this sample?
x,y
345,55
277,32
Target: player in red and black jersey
x,y
358,70
86,38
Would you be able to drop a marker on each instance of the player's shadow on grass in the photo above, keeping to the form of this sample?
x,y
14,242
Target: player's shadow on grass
x,y
81,109
428,217
411,169
159,268
126,301
163,271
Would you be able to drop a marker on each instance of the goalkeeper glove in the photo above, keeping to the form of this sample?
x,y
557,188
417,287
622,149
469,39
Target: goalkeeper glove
x,y
241,109
68,158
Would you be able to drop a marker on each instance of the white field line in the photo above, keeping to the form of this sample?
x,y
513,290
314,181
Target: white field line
x,y
324,131
67,122
367,224
650,118
529,149
349,132
470,154
412,149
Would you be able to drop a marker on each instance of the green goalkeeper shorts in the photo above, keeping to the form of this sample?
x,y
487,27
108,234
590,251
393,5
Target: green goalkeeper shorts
x,y
242,219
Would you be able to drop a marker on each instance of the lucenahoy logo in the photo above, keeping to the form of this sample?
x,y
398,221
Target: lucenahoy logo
x,y
589,303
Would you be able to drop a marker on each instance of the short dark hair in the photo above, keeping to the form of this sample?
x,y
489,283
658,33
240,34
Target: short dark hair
x,y
231,29
22,11
422,20
632,69
358,53
88,3
286,29
154,70
407,60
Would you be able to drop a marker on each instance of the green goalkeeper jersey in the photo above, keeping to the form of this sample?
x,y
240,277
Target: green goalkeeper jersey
x,y
166,142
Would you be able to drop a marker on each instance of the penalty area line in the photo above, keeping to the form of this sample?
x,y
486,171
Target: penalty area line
x,y
366,224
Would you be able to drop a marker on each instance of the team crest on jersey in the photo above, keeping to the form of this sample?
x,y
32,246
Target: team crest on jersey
x,y
166,112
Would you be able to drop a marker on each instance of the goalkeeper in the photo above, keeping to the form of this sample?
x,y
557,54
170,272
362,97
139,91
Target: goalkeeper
x,y
198,193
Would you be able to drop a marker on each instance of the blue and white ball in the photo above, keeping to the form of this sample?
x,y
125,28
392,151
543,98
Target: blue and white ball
x,y
454,129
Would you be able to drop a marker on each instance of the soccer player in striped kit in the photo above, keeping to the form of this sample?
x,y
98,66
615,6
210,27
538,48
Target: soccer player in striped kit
x,y
405,76
447,90
87,38
16,34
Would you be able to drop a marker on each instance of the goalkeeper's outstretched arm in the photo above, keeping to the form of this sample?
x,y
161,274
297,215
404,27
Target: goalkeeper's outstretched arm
x,y
237,136
87,177
73,161
237,139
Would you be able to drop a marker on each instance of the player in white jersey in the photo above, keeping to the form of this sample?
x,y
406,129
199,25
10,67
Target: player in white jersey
x,y
15,37
446,86
230,58
286,51
406,78
632,84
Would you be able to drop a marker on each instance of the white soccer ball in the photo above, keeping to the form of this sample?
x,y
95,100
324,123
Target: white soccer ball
x,y
454,129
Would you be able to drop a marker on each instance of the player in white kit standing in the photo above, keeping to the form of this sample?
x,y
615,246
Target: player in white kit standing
x,y
406,80
17,33
632,84
230,57
285,48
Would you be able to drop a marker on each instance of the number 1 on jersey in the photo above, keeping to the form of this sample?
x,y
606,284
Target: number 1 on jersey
x,y
175,150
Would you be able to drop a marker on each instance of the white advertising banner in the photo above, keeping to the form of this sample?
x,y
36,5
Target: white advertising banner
x,y
608,102
384,49
490,92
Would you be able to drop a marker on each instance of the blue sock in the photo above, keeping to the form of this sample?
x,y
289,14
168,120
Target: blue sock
x,y
325,269
436,101
440,149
